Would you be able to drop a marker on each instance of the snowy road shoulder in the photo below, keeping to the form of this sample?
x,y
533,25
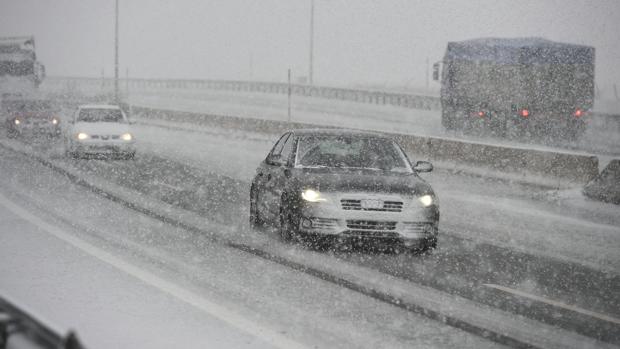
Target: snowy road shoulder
x,y
227,337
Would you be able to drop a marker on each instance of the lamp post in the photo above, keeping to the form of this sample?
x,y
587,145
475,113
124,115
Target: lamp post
x,y
116,99
311,68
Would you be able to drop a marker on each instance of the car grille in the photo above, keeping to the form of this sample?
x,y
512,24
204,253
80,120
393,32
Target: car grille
x,y
370,225
388,206
105,137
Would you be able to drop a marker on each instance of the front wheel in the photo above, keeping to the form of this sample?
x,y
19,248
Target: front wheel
x,y
426,246
255,219
288,224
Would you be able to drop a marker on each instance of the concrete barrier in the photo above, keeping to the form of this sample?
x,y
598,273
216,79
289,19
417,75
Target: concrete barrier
x,y
606,186
545,167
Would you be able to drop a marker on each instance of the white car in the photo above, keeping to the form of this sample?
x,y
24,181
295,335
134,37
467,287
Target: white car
x,y
99,130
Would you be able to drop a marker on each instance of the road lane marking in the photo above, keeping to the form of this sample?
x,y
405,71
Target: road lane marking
x,y
268,335
555,303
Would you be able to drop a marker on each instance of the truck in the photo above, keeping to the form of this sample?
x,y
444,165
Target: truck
x,y
522,87
20,72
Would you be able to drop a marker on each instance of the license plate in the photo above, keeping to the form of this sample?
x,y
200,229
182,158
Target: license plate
x,y
372,203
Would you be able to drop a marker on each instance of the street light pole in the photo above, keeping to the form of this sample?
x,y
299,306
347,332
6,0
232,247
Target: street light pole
x,y
116,100
311,68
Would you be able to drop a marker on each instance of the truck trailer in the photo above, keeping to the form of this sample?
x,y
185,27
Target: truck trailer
x,y
516,86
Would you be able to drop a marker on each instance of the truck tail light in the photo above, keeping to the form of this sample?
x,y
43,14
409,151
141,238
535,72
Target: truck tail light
x,y
578,113
525,113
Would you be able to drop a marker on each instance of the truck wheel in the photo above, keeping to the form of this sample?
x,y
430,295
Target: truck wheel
x,y
575,131
447,119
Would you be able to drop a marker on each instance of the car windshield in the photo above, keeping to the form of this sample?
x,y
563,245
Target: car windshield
x,y
100,115
26,107
350,152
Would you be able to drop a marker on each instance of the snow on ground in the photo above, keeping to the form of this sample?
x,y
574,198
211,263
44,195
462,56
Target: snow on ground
x,y
517,216
71,288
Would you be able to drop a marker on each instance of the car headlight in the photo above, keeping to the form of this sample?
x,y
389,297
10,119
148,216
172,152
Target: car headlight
x,y
126,137
17,122
426,200
82,136
312,195
54,121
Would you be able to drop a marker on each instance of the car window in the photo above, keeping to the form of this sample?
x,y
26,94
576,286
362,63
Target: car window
x,y
351,152
100,115
287,149
277,149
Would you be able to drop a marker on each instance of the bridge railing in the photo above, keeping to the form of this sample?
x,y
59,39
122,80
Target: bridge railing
x,y
407,100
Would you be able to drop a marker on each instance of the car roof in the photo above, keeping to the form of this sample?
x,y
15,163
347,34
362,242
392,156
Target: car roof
x,y
337,132
99,106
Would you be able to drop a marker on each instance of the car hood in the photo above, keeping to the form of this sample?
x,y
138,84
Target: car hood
x,y
34,116
105,128
340,180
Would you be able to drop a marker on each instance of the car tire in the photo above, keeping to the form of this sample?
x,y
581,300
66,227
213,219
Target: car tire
x,y
427,246
287,224
255,220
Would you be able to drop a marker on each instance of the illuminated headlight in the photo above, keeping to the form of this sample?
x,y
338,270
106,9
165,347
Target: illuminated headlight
x,y
426,200
54,121
312,195
82,136
17,122
126,137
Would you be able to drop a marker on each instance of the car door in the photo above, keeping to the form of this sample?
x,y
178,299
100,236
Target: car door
x,y
277,168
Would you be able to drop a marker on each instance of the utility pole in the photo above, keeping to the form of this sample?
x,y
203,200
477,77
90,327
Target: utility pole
x,y
311,68
116,99
289,95
427,82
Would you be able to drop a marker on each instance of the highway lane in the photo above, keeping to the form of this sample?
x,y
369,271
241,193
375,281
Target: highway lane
x,y
63,257
601,139
462,265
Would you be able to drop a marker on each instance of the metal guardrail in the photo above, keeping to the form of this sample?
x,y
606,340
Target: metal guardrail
x,y
355,95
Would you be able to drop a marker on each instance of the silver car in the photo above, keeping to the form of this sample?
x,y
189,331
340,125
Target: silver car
x,y
99,130
336,185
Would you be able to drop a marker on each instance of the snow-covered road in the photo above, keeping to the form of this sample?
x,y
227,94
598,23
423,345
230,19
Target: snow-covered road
x,y
599,138
142,283
495,235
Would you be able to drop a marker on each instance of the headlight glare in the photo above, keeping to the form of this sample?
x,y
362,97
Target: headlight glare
x,y
312,195
82,136
55,121
17,122
126,136
426,200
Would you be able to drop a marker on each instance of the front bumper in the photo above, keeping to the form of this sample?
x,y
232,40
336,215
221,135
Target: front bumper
x,y
412,225
103,147
31,129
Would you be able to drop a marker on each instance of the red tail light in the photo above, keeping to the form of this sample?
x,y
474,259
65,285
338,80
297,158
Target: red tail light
x,y
525,113
578,113
481,114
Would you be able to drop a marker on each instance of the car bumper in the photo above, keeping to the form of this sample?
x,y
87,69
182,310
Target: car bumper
x,y
36,130
104,148
411,226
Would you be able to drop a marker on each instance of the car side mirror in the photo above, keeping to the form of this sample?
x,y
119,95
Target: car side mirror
x,y
275,160
423,166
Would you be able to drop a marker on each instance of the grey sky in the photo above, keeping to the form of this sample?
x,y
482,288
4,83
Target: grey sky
x,y
356,41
